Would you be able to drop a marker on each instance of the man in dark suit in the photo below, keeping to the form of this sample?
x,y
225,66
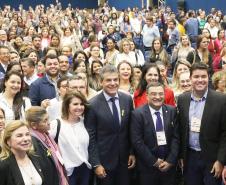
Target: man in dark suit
x,y
155,138
202,122
4,60
107,122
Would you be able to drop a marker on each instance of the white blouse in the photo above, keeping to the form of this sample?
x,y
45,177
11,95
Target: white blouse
x,y
9,114
73,142
130,57
30,175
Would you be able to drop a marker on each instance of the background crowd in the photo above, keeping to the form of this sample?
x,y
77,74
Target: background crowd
x,y
75,85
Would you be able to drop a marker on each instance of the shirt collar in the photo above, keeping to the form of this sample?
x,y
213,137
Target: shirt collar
x,y
50,80
108,97
203,98
31,77
153,110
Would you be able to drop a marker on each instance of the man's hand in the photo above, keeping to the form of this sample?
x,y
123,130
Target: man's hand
x,y
165,166
131,162
100,171
45,103
217,169
158,162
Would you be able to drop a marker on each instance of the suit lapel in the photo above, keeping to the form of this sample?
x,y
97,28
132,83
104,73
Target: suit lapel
x,y
149,118
186,105
207,109
16,174
2,69
122,109
166,118
36,165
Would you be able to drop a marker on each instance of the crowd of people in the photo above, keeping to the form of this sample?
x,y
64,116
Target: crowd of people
x,y
108,97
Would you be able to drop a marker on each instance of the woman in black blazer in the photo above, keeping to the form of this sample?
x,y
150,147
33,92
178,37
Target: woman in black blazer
x,y
18,166
45,147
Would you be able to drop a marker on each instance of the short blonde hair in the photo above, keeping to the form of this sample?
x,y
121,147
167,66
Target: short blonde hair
x,y
121,44
10,128
217,76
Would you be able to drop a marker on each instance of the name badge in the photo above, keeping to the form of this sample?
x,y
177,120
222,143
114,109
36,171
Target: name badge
x,y
161,138
195,124
59,158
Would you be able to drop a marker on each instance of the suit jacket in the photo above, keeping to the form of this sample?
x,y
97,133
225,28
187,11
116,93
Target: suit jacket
x,y
46,163
2,70
212,135
108,145
143,136
10,172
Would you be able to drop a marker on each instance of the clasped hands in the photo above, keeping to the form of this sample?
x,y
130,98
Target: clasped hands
x,y
162,165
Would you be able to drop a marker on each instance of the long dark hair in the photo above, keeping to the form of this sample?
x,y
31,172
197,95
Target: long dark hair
x,y
18,99
143,83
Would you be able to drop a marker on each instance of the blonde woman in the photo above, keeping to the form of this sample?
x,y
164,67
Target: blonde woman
x,y
126,83
181,66
184,84
182,49
19,165
219,81
125,53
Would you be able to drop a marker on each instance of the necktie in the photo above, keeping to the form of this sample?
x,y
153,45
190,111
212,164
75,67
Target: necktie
x,y
161,151
159,125
115,113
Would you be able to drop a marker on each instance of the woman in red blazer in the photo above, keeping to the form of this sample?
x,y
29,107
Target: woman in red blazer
x,y
151,73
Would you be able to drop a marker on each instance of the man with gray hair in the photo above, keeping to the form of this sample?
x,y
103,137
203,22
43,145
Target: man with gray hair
x,y
107,123
155,138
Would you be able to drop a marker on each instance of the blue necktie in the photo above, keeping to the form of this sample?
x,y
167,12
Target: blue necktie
x,y
115,113
161,151
159,125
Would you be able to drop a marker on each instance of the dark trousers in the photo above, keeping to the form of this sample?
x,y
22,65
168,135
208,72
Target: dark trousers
x,y
117,176
197,171
80,175
155,177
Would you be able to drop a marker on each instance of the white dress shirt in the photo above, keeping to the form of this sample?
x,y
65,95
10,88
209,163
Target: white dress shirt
x,y
154,117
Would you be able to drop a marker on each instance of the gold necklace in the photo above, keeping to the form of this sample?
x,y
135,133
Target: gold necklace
x,y
30,176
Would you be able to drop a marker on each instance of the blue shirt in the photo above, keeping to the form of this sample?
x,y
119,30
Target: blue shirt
x,y
195,110
149,34
192,26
